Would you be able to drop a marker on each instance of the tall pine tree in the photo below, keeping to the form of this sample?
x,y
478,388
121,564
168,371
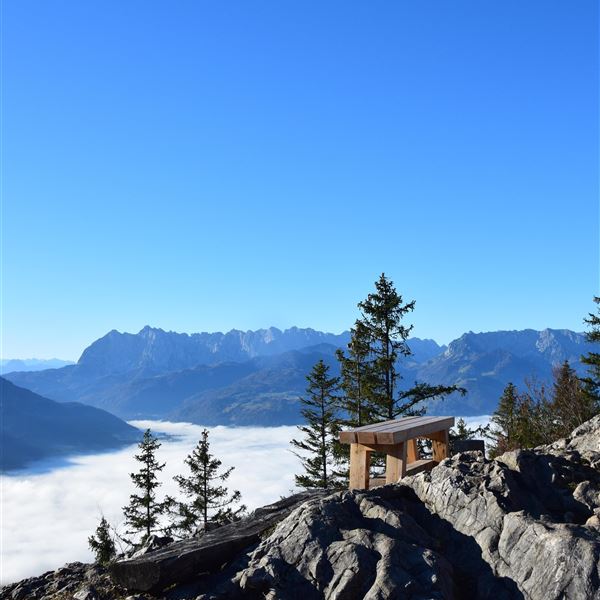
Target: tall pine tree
x,y
356,377
318,448
143,513
383,312
207,499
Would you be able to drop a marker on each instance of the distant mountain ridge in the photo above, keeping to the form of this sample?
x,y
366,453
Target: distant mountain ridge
x,y
256,378
154,350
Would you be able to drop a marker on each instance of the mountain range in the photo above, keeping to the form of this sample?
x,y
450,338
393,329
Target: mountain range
x,y
34,428
256,377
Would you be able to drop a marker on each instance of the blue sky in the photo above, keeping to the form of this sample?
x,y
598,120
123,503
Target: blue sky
x,y
210,165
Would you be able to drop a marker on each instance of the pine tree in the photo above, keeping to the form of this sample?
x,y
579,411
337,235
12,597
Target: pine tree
x,y
505,419
382,315
356,377
102,543
143,512
207,499
571,404
463,432
319,447
591,383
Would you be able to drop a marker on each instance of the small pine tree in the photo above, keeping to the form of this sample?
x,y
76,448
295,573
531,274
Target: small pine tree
x,y
320,444
143,513
505,419
102,543
463,432
571,405
208,500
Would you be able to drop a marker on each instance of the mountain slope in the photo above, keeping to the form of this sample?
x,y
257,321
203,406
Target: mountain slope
x,y
33,427
484,363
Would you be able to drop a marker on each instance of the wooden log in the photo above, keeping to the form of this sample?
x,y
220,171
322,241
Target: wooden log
x,y
360,462
182,561
440,445
395,464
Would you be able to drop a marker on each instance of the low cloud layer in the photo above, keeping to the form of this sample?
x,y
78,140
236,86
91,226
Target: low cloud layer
x,y
48,513
48,516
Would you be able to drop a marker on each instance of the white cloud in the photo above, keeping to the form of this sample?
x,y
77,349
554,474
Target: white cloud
x,y
47,516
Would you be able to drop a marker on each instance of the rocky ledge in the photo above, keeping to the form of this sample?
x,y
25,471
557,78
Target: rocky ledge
x,y
525,525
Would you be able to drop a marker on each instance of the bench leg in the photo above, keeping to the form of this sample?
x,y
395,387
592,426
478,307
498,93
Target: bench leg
x,y
395,464
412,451
360,462
440,445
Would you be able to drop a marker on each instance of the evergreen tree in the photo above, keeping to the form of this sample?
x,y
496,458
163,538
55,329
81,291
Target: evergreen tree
x,y
591,383
571,404
382,315
143,512
102,543
505,419
463,432
319,447
207,499
356,377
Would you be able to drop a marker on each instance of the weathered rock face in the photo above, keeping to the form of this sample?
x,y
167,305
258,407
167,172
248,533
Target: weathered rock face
x,y
523,526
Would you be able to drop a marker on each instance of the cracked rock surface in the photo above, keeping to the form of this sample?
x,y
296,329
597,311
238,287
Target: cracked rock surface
x,y
522,526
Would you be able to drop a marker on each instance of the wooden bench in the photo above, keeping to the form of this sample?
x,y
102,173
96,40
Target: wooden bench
x,y
397,439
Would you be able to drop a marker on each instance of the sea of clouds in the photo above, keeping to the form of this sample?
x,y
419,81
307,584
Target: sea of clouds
x,y
49,511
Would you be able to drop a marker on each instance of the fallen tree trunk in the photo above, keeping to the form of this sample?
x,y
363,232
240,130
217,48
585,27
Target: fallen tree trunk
x,y
181,561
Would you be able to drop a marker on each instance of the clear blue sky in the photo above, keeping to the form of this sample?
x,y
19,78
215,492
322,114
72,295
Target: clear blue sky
x,y
209,165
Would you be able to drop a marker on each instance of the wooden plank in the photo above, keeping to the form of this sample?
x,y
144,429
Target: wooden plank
x,y
423,430
440,446
401,424
360,461
392,425
395,464
381,423
420,465
366,437
412,451
395,431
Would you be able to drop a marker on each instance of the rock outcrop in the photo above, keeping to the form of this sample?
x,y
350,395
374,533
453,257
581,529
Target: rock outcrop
x,y
523,526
